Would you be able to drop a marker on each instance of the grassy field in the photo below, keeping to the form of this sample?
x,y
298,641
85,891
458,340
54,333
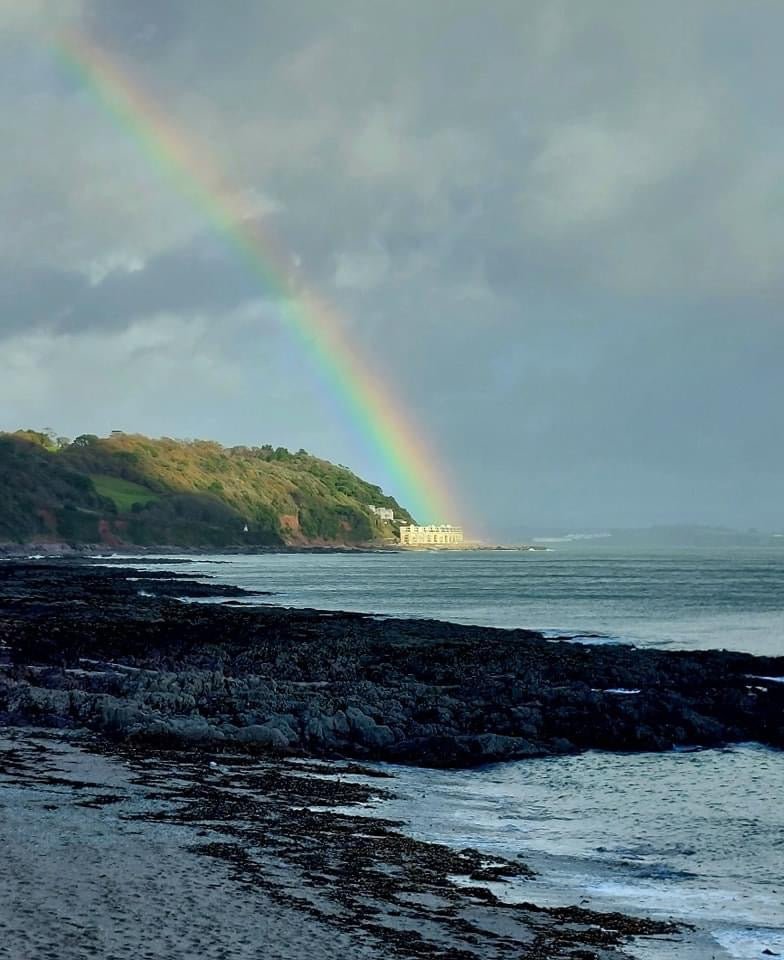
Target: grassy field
x,y
124,493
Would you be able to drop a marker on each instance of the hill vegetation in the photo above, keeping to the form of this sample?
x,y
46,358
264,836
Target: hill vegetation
x,y
134,490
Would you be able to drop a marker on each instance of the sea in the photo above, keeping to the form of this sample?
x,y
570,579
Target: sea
x,y
696,836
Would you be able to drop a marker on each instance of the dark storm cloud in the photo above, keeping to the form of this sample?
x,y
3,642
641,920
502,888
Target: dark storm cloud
x,y
183,281
556,226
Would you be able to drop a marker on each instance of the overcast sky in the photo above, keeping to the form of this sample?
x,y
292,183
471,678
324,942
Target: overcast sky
x,y
556,226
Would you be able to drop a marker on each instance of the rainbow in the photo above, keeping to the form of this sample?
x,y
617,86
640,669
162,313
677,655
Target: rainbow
x,y
375,413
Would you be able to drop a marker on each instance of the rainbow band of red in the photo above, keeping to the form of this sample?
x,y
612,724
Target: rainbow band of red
x,y
373,411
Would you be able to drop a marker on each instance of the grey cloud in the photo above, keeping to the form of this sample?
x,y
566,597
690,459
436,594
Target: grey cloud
x,y
182,281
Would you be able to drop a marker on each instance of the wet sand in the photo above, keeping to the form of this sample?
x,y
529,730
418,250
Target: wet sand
x,y
80,881
157,857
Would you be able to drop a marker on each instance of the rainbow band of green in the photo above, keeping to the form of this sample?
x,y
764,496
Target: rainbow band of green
x,y
374,412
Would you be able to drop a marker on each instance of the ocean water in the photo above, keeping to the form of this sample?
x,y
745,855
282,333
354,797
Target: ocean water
x,y
692,837
697,836
688,599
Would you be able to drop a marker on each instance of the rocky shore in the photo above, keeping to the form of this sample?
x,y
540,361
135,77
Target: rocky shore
x,y
162,791
112,650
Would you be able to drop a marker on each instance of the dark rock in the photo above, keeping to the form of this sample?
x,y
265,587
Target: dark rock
x,y
85,649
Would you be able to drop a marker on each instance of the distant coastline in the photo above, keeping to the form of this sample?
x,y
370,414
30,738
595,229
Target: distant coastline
x,y
63,549
14,551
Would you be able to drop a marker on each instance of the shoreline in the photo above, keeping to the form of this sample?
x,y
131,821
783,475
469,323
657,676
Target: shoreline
x,y
66,551
69,551
162,854
235,737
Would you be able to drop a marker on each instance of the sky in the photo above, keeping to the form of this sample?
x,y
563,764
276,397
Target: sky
x,y
554,228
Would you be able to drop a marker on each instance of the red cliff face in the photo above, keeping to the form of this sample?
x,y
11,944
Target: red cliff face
x,y
289,527
49,521
109,532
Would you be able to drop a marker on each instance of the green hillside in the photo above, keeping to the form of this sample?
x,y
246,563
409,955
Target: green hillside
x,y
130,489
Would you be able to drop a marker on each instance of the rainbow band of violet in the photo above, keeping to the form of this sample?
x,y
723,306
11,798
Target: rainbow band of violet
x,y
378,416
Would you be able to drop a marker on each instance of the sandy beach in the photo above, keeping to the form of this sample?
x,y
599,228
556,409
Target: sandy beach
x,y
161,857
80,880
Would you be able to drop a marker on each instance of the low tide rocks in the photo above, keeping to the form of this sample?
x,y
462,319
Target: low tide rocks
x,y
113,650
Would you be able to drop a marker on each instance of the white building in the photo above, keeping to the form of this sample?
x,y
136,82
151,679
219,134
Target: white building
x,y
413,535
383,513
